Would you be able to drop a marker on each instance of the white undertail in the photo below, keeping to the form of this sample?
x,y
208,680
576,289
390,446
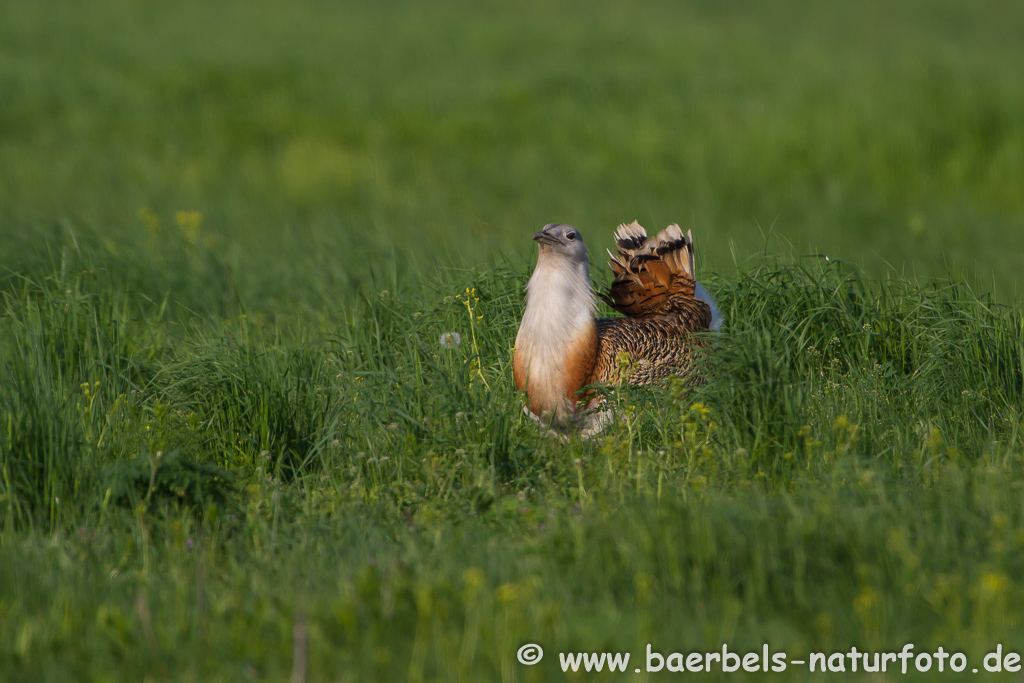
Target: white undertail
x,y
716,316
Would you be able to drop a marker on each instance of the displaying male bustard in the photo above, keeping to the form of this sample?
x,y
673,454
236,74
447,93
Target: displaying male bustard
x,y
561,347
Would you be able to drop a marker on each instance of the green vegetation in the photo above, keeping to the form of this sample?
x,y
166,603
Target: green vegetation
x,y
232,446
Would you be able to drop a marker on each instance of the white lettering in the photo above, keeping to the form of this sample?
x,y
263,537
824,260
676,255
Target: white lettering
x,y
570,660
617,661
727,658
998,656
907,653
651,655
592,662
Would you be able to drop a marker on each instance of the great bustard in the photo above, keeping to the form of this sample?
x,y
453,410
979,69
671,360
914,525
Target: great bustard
x,y
561,347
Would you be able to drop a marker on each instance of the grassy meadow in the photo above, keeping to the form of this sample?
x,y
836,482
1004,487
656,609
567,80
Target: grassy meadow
x,y
232,234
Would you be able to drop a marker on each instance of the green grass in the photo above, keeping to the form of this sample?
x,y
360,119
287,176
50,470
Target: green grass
x,y
234,233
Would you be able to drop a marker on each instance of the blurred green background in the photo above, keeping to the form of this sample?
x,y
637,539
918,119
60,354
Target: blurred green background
x,y
335,138
232,233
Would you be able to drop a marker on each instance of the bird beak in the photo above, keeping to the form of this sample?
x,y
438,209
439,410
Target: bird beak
x,y
545,237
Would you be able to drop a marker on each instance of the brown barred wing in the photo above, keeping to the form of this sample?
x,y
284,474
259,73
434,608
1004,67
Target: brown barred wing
x,y
643,350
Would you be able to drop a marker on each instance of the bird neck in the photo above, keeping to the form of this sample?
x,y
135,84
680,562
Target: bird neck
x,y
557,340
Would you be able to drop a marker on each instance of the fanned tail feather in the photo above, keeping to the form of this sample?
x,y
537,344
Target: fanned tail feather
x,y
676,249
630,238
654,277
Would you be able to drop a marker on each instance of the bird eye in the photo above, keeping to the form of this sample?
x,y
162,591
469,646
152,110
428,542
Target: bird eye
x,y
570,236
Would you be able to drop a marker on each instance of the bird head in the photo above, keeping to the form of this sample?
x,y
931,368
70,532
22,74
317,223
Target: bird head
x,y
562,242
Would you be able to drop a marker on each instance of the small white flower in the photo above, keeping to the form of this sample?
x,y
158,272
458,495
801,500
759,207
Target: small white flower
x,y
450,340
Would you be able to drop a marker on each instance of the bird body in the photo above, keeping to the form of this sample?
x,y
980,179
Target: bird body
x,y
557,342
561,347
